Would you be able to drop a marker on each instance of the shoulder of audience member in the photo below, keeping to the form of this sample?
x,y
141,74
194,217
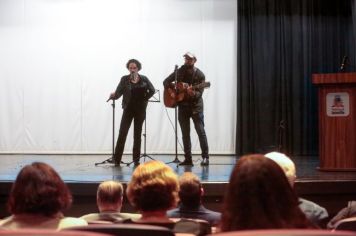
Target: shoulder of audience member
x,y
346,212
133,216
313,208
173,211
71,221
90,216
4,221
352,208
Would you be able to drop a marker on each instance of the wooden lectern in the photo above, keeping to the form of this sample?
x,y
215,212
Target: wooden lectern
x,y
337,121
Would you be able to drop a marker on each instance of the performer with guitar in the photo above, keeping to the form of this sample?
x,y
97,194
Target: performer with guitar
x,y
187,94
135,89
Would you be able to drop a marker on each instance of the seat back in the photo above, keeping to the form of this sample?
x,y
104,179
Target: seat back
x,y
192,226
126,229
47,232
286,232
346,224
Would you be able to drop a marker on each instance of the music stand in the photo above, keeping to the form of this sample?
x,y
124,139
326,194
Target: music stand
x,y
144,154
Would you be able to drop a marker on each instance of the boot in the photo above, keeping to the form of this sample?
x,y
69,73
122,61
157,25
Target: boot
x,y
186,162
204,162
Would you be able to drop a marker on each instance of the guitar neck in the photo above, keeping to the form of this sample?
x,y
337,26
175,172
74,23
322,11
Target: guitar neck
x,y
201,85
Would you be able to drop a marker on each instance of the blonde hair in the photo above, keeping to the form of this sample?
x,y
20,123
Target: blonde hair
x,y
109,192
154,186
285,163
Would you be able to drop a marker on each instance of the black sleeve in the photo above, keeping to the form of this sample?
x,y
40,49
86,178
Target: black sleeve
x,y
199,92
150,89
120,88
169,80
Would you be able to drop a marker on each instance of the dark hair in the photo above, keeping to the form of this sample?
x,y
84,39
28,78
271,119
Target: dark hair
x,y
138,64
189,189
260,197
38,189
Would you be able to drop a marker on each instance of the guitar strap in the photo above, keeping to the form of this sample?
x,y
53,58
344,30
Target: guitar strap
x,y
193,75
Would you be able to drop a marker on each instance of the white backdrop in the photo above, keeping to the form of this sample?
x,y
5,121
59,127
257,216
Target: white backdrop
x,y
60,59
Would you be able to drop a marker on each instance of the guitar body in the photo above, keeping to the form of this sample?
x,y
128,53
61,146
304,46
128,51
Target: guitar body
x,y
171,97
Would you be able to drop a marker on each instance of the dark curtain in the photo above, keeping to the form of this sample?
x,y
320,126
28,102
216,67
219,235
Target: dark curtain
x,y
281,43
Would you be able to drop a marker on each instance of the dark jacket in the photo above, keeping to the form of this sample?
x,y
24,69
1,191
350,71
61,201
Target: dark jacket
x,y
124,89
200,212
198,77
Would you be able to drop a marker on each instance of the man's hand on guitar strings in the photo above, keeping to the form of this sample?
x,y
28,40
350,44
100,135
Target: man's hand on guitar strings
x,y
190,91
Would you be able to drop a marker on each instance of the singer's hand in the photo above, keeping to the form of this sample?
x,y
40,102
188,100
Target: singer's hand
x,y
112,96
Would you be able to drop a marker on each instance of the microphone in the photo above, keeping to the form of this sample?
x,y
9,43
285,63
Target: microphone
x,y
133,76
175,68
343,63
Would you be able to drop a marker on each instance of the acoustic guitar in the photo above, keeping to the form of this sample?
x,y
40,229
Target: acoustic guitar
x,y
171,97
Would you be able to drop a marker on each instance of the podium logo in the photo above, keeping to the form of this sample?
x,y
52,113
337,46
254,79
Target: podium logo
x,y
337,104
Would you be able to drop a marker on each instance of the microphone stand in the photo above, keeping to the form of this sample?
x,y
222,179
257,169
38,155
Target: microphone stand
x,y
110,160
344,63
176,160
280,134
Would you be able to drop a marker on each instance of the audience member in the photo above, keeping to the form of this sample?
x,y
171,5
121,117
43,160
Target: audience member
x,y
37,199
313,211
190,206
153,190
347,212
260,197
109,197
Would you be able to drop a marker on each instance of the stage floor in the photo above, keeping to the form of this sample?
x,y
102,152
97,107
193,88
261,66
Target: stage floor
x,y
82,168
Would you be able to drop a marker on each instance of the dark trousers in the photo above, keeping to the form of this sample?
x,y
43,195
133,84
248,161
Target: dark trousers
x,y
138,116
184,115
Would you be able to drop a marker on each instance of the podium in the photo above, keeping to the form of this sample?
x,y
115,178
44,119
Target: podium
x,y
337,121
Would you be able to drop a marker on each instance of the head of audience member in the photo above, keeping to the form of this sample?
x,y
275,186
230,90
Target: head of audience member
x,y
109,196
259,196
153,188
39,190
190,190
285,163
315,213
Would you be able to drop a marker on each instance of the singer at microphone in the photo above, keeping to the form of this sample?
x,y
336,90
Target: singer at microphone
x,y
135,90
190,108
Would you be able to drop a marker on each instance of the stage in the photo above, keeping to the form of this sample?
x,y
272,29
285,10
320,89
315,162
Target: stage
x,y
330,189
